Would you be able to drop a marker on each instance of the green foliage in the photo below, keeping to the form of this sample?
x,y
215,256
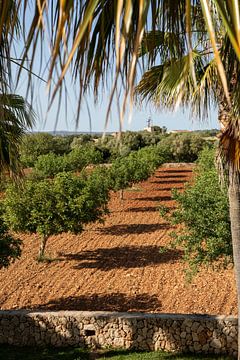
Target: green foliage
x,y
82,150
34,145
132,140
184,147
150,138
62,144
135,167
81,140
50,165
97,186
163,210
82,156
16,116
49,207
10,247
105,153
203,209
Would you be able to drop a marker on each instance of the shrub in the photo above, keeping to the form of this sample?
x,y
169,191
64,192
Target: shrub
x,y
135,167
82,156
184,147
50,165
80,140
34,145
204,211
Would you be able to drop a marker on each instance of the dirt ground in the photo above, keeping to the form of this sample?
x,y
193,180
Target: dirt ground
x,y
118,266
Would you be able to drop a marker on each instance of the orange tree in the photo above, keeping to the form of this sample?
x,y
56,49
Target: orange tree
x,y
49,207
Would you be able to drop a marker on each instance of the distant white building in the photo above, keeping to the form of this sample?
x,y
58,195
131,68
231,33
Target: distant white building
x,y
149,129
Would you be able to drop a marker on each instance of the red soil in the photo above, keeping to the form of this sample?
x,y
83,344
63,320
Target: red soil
x,y
117,266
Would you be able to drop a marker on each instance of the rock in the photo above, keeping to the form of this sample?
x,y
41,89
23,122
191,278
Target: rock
x,y
216,343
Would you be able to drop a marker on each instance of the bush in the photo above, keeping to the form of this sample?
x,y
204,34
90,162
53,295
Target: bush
x,y
50,165
135,167
80,140
34,145
82,156
184,147
204,211
10,247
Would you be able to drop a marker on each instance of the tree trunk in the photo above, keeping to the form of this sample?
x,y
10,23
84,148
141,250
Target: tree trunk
x,y
229,146
234,205
121,194
42,247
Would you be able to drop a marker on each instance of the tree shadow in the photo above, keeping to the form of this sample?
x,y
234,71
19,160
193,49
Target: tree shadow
x,y
105,302
125,257
155,198
142,209
178,176
178,171
124,229
167,188
169,181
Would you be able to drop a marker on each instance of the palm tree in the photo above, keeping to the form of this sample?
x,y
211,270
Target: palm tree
x,y
16,117
196,83
9,31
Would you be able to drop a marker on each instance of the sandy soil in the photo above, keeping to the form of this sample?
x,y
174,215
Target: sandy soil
x,y
117,266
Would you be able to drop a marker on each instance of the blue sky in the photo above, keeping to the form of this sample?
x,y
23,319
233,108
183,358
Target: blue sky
x,y
66,121
140,114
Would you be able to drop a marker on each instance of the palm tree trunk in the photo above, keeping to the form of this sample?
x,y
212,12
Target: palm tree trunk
x,y
229,147
234,207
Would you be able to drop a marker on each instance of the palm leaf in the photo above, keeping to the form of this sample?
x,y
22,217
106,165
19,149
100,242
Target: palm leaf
x,y
16,116
230,14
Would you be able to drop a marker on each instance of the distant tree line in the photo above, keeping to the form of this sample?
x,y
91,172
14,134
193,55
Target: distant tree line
x,y
182,146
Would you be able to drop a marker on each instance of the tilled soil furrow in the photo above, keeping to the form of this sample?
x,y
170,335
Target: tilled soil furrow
x,y
119,265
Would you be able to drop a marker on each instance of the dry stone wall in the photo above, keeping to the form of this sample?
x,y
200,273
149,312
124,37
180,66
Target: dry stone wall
x,y
191,333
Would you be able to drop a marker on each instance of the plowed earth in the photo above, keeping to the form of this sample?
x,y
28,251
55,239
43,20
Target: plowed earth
x,y
118,266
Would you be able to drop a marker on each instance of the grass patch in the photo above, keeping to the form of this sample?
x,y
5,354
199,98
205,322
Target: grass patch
x,y
157,355
8,352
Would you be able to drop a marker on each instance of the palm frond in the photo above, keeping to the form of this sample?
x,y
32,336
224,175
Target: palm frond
x,y
230,14
9,28
16,116
163,44
93,39
24,115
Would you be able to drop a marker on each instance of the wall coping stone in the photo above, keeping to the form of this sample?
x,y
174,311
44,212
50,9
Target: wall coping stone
x,y
125,315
